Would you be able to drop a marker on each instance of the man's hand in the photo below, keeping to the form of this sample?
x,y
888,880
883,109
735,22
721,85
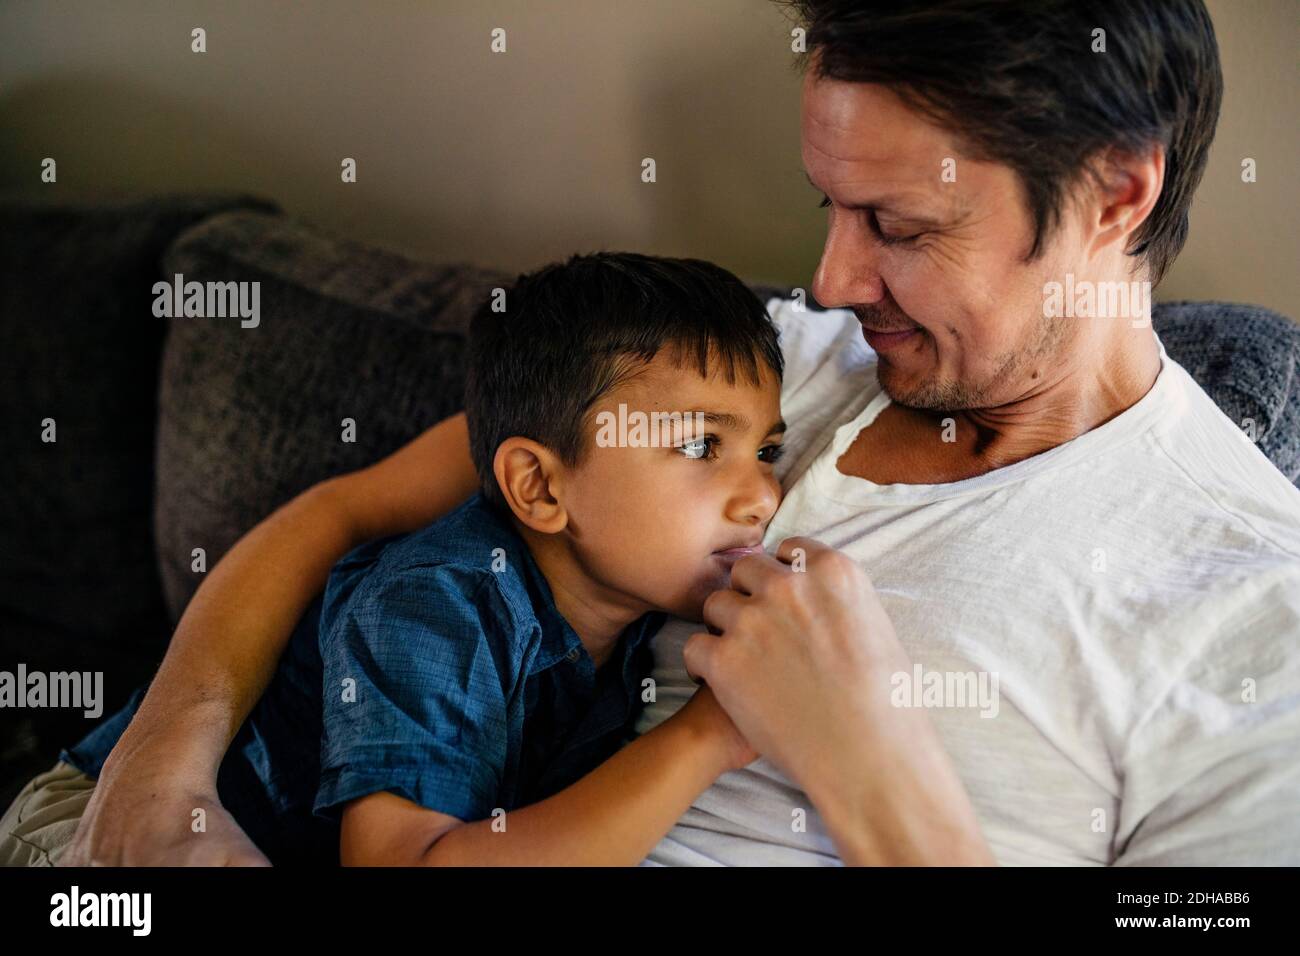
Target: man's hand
x,y
142,813
802,663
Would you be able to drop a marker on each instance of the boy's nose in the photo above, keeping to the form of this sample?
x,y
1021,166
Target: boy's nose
x,y
757,502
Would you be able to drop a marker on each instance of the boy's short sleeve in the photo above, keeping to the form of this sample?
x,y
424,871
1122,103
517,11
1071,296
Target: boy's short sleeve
x,y
415,694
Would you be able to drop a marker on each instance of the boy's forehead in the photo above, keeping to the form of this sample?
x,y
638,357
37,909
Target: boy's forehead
x,y
676,378
679,370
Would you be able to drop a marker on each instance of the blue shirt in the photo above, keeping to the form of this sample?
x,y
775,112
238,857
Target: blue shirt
x,y
435,666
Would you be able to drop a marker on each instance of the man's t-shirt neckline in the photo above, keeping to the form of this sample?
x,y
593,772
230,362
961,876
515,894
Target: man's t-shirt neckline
x,y
1160,407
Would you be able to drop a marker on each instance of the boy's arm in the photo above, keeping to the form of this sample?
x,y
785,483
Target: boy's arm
x,y
612,817
226,647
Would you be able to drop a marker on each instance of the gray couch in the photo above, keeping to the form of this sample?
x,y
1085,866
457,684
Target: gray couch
x,y
176,434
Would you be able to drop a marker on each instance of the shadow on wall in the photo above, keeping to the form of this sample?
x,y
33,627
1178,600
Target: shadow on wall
x,y
724,148
130,141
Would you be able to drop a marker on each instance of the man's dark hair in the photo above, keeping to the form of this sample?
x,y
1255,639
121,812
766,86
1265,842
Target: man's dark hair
x,y
571,331
1019,84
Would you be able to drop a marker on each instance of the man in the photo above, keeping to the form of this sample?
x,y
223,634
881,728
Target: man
x,y
1035,599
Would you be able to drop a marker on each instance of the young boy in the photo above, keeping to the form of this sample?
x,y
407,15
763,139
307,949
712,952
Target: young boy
x,y
463,694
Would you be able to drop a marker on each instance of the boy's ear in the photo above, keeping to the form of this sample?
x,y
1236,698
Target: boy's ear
x,y
530,476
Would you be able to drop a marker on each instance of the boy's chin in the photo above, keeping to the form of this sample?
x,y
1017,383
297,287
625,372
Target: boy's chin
x,y
693,608
694,613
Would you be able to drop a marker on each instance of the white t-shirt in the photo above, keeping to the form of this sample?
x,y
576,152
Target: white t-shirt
x,y
1135,591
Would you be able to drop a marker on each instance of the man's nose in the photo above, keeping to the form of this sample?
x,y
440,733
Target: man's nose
x,y
849,271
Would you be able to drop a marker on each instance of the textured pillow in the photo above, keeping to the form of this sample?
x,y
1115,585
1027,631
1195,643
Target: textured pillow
x,y
250,417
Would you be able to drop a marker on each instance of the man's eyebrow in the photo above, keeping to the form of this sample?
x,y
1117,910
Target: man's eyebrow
x,y
887,204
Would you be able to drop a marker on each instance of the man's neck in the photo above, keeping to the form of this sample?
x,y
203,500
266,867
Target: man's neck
x,y
905,445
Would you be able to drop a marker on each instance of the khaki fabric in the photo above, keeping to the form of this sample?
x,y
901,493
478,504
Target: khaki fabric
x,y
40,823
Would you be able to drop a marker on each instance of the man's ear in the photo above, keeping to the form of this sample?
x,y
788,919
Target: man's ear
x,y
1129,186
531,477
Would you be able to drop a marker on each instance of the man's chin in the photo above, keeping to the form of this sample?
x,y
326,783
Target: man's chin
x,y
905,388
912,391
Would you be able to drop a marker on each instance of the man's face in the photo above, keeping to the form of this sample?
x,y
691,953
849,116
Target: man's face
x,y
936,261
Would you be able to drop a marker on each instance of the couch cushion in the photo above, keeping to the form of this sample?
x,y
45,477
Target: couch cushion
x,y
80,344
250,417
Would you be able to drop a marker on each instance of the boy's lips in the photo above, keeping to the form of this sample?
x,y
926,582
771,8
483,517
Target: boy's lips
x,y
740,550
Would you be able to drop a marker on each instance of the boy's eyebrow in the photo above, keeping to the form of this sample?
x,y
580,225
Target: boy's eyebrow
x,y
727,420
733,422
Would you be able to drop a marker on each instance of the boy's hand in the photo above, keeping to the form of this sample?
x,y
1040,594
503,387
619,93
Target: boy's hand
x,y
704,711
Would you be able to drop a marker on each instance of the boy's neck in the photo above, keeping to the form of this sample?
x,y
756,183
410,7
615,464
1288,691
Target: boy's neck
x,y
597,614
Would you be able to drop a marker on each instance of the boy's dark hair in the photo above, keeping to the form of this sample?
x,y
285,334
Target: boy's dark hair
x,y
569,332
1018,82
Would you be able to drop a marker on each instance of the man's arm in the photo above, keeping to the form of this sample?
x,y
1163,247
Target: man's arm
x,y
612,817
226,647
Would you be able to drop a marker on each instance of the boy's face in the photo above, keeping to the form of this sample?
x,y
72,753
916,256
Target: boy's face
x,y
663,525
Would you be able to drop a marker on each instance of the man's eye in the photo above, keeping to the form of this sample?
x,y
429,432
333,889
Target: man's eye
x,y
699,448
898,240
888,240
773,453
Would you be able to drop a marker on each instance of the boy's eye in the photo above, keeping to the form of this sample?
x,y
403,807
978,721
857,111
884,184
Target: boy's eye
x,y
699,448
773,453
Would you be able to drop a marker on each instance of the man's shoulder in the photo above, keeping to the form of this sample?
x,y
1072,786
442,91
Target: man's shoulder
x,y
1234,480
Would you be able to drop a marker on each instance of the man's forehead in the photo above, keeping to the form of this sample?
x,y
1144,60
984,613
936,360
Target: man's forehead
x,y
858,113
863,144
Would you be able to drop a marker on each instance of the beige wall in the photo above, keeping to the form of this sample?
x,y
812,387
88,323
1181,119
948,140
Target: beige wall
x,y
515,159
